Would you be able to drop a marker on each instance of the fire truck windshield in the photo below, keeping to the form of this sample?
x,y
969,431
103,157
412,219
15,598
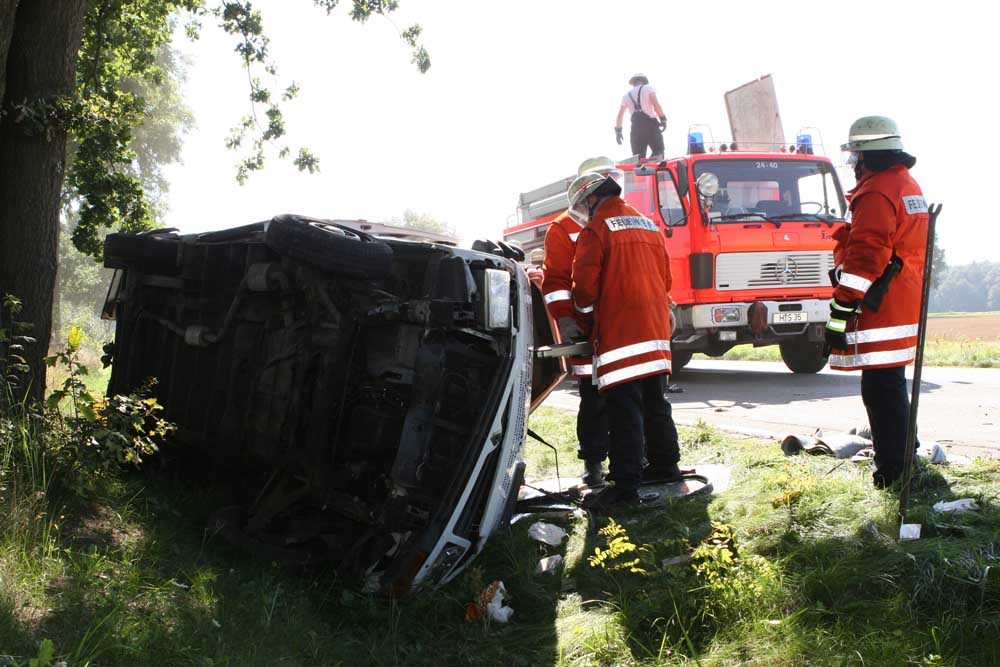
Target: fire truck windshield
x,y
772,190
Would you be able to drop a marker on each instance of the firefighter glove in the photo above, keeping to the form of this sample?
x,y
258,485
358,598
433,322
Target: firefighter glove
x,y
618,136
836,327
663,123
569,329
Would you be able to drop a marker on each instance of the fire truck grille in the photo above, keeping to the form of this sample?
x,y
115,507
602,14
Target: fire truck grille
x,y
751,270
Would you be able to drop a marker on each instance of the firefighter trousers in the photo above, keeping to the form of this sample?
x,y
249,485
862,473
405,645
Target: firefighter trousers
x,y
638,413
883,391
591,423
645,133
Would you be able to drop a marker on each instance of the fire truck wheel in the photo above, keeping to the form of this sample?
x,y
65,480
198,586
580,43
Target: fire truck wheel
x,y
802,356
679,359
329,247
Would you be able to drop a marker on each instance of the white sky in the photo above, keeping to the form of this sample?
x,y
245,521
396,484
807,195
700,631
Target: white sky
x,y
521,91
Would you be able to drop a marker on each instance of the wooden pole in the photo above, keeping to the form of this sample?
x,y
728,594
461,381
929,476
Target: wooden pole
x,y
911,430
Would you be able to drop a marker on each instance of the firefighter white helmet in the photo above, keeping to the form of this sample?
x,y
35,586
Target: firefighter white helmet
x,y
873,133
598,165
579,190
602,165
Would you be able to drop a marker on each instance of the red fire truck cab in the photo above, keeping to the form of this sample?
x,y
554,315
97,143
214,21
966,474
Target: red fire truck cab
x,y
750,240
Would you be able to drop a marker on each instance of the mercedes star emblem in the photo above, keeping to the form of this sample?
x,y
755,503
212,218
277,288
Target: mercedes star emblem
x,y
785,269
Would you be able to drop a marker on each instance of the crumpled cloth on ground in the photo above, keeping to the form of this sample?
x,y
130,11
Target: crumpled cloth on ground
x,y
856,445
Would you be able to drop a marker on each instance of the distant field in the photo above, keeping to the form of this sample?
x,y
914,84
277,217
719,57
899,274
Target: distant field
x,y
964,326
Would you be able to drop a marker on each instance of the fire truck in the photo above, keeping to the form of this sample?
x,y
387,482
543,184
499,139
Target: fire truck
x,y
750,240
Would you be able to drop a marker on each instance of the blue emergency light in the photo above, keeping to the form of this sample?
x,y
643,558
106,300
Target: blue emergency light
x,y
804,144
696,143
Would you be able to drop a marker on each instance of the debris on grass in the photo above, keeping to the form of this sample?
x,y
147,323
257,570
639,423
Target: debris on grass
x,y
546,532
676,560
489,605
549,564
959,505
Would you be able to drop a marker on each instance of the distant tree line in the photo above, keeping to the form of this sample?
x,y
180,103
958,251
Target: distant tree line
x,y
971,287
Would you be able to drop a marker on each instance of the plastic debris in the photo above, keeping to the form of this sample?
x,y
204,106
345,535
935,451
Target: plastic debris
x,y
546,532
909,531
864,430
839,445
676,560
855,445
489,605
932,451
959,505
549,564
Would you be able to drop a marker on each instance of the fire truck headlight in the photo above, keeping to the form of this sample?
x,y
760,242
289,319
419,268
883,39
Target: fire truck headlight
x,y
497,299
726,314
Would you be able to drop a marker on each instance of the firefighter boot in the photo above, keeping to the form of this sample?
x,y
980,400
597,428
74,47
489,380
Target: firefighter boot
x,y
593,474
663,473
613,497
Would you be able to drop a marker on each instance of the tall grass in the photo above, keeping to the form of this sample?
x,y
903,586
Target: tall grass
x,y
795,564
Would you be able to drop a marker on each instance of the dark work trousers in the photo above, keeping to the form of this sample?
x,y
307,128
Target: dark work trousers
x,y
591,423
883,391
645,132
639,412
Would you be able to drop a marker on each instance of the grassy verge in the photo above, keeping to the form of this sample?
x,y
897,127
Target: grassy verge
x,y
957,353
793,565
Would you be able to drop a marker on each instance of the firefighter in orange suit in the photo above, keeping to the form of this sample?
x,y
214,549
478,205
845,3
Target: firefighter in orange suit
x,y
621,281
881,253
560,246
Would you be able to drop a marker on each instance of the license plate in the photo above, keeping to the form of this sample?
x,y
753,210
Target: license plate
x,y
789,318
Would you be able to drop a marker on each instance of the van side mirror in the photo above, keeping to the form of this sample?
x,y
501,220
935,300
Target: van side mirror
x,y
682,178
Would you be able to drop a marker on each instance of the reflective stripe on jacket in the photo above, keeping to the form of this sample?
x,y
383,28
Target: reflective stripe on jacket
x,y
889,217
621,282
557,269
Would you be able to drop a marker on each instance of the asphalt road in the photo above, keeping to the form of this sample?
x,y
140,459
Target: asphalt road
x,y
959,407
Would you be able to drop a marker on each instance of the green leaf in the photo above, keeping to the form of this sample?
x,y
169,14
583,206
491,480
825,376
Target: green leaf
x,y
54,398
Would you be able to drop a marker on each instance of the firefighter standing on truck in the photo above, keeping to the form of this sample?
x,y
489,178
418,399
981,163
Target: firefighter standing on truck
x,y
621,281
646,130
880,256
560,246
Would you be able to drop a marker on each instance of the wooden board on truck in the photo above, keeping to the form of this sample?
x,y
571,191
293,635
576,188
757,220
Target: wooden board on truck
x,y
753,116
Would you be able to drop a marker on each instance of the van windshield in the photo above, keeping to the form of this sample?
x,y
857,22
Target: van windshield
x,y
773,190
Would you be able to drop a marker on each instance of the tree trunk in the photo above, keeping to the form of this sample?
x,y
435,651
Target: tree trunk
x,y
7,10
41,64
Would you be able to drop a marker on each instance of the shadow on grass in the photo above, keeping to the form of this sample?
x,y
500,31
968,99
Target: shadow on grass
x,y
810,593
169,594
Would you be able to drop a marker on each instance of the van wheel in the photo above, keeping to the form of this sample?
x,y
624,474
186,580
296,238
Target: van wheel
x,y
329,247
802,356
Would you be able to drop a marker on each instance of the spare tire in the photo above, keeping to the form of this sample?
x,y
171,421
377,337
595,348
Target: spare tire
x,y
150,253
329,247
